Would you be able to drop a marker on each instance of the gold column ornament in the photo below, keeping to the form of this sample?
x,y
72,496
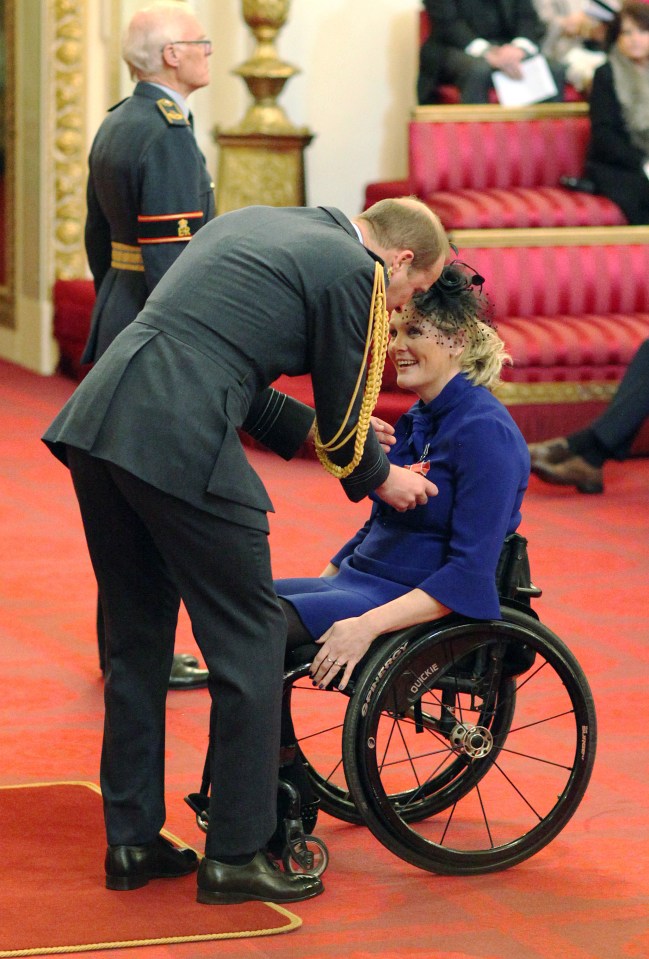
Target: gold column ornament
x,y
68,166
261,159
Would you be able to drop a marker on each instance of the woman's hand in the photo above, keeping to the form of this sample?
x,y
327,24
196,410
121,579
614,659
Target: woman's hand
x,y
384,433
342,646
405,489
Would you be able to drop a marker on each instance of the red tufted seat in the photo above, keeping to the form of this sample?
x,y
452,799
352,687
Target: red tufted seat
x,y
498,208
492,168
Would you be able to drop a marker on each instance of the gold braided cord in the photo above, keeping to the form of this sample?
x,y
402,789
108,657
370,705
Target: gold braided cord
x,y
377,339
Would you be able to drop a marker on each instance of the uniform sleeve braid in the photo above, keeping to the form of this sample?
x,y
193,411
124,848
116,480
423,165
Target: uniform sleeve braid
x,y
377,339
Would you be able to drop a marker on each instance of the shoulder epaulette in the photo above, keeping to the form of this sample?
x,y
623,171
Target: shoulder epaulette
x,y
172,114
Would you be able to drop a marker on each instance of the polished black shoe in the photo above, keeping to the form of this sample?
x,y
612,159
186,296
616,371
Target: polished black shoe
x,y
184,675
261,879
186,658
130,867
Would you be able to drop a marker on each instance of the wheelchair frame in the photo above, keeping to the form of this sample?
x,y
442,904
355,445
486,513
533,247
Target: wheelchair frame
x,y
465,746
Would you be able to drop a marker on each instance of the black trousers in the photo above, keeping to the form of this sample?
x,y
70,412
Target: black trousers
x,y
147,548
473,75
611,435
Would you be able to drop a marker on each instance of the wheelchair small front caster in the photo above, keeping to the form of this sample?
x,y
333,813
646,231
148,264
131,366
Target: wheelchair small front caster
x,y
199,803
308,855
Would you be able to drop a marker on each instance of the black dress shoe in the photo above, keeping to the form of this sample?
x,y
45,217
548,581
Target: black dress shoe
x,y
130,867
184,676
261,879
186,658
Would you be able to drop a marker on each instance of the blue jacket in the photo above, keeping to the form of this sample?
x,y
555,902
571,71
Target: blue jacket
x,y
449,548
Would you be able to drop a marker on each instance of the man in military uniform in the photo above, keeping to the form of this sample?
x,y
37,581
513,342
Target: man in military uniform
x,y
148,192
170,502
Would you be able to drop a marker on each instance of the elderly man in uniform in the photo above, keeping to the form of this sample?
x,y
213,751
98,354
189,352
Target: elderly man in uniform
x,y
148,192
171,504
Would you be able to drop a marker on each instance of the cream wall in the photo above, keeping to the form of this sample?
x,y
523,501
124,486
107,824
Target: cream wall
x,y
356,88
355,91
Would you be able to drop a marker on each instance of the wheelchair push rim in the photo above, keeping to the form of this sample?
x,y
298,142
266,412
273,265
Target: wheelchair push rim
x,y
521,775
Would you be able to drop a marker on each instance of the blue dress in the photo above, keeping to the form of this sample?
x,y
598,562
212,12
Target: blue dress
x,y
469,446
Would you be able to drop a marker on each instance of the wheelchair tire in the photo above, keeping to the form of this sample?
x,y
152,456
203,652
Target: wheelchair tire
x,y
525,743
320,740
318,717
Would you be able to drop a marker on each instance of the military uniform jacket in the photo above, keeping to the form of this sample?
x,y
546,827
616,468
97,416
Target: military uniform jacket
x,y
148,191
257,293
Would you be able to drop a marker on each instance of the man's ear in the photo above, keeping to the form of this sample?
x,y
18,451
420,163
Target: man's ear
x,y
169,55
404,258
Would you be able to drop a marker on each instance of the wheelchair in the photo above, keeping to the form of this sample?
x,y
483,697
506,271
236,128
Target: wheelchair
x,y
465,746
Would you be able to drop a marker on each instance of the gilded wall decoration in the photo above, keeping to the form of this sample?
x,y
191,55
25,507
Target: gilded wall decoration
x,y
68,137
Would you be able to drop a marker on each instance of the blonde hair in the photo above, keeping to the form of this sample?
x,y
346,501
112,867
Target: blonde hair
x,y
483,356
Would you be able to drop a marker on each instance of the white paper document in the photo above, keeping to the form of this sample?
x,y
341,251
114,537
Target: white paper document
x,y
536,84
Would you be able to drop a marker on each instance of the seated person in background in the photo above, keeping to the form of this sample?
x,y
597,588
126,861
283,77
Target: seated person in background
x,y
618,154
577,460
574,38
402,568
472,38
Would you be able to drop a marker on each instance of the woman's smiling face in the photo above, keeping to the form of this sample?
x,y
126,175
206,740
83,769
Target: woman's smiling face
x,y
424,357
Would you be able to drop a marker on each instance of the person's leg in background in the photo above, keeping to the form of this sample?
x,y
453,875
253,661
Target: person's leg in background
x,y
186,672
578,459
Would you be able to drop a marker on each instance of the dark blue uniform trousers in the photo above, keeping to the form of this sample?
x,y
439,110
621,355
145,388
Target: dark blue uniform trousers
x,y
148,549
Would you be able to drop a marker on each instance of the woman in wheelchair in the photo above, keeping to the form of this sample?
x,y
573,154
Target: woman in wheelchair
x,y
465,737
405,568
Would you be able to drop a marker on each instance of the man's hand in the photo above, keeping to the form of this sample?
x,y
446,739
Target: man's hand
x,y
506,58
384,433
404,489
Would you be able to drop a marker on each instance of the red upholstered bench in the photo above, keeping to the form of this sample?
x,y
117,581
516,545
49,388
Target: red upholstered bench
x,y
73,302
491,167
497,168
572,317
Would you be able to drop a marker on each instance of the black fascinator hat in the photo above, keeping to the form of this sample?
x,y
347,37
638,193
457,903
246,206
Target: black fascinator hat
x,y
455,301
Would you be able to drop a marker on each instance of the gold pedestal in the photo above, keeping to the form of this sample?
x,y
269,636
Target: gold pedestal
x,y
257,168
261,160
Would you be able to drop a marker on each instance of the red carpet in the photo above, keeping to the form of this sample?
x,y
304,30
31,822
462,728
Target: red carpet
x,y
585,896
52,897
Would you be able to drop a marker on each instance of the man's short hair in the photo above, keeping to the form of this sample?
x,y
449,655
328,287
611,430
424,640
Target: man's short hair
x,y
405,223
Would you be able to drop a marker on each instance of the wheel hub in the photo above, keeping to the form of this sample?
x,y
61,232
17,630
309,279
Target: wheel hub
x,y
473,741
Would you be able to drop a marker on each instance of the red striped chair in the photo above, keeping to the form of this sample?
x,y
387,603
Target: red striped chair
x,y
494,168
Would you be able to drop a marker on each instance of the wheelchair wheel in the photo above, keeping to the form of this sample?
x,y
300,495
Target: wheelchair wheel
x,y
318,717
488,727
